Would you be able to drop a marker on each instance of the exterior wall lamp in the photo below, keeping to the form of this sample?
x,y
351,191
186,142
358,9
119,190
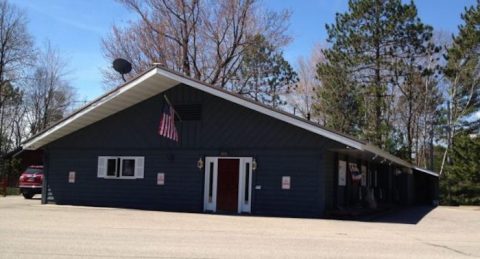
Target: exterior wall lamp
x,y
398,172
254,164
200,163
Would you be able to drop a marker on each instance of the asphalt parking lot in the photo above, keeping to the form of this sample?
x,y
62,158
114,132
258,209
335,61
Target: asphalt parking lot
x,y
31,230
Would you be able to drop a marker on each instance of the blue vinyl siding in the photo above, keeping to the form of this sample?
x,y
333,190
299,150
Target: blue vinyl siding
x,y
225,128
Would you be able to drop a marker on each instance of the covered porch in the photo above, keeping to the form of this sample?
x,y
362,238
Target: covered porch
x,y
367,183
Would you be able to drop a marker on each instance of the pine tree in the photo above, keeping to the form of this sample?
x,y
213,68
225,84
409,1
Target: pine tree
x,y
461,185
463,69
264,74
416,74
367,41
463,74
340,102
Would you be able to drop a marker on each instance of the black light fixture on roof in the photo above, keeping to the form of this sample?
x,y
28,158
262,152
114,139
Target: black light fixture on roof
x,y
122,66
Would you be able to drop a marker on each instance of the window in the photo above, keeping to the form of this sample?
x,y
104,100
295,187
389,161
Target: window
x,y
247,182
128,167
210,184
111,167
31,170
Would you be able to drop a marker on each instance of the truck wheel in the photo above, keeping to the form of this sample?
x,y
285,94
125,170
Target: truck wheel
x,y
28,195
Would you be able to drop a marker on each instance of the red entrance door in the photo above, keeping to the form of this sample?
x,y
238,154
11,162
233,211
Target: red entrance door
x,y
227,185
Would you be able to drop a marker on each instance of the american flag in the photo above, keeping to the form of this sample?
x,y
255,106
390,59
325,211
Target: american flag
x,y
167,123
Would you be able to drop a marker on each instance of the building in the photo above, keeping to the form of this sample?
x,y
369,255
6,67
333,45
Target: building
x,y
233,156
25,159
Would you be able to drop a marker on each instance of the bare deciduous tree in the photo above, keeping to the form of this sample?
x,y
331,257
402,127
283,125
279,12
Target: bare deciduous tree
x,y
202,39
48,94
16,53
302,98
11,112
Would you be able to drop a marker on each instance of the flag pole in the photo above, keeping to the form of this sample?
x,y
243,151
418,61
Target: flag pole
x,y
169,103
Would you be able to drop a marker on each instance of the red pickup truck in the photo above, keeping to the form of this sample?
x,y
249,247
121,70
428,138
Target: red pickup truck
x,y
31,181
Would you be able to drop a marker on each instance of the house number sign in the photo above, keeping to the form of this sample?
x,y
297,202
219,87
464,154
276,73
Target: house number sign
x,y
286,182
160,178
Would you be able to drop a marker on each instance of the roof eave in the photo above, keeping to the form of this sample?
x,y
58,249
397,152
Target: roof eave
x,y
40,139
173,78
432,173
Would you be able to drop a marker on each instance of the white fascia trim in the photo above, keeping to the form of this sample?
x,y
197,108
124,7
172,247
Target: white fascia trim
x,y
333,136
377,151
261,109
425,171
30,145
394,159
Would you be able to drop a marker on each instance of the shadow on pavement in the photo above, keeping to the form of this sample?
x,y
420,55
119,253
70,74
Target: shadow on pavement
x,y
408,215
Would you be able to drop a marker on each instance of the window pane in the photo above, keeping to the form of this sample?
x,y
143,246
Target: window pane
x,y
210,184
33,171
128,167
112,167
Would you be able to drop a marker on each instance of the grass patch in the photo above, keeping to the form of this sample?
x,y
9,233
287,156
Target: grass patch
x,y
13,191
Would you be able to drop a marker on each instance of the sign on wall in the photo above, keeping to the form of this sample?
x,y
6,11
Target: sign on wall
x,y
356,175
160,178
364,175
286,182
342,173
71,177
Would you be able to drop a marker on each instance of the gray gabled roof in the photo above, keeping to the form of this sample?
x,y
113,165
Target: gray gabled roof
x,y
159,79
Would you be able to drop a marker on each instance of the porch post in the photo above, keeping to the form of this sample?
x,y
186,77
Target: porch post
x,y
45,177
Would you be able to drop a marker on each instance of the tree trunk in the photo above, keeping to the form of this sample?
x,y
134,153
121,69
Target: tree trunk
x,y
378,93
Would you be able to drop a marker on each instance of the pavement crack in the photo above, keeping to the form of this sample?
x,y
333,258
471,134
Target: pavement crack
x,y
451,249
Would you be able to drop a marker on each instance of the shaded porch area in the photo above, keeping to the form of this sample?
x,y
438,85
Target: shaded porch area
x,y
366,185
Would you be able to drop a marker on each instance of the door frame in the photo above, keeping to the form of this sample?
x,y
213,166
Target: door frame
x,y
244,189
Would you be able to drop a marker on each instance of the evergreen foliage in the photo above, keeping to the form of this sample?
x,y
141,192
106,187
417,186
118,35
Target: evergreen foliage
x,y
382,67
460,184
264,74
376,46
463,71
460,181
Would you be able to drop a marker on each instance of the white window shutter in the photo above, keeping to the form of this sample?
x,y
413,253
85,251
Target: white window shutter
x,y
102,167
139,167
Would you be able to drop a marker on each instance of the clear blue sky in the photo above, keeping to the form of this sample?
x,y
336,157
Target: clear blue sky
x,y
76,27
